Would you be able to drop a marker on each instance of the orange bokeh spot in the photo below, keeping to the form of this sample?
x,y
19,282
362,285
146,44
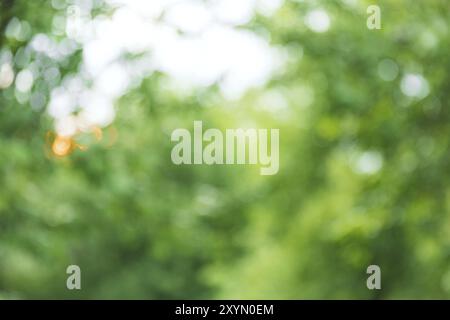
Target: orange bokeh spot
x,y
98,133
62,146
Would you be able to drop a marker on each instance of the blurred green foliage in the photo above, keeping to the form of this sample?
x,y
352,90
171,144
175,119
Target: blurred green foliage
x,y
141,227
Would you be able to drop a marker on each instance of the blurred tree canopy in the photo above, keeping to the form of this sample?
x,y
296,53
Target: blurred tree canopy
x,y
364,170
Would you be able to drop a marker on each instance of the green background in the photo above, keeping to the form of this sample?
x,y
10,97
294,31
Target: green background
x,y
142,227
